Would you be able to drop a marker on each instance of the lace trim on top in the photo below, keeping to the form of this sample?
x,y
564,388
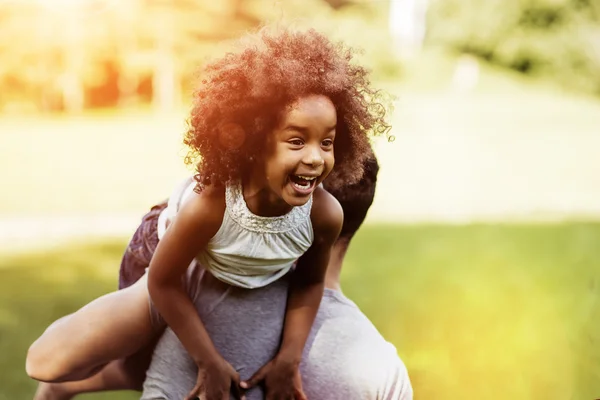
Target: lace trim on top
x,y
240,213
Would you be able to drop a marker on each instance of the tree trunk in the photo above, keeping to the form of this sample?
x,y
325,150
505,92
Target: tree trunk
x,y
164,83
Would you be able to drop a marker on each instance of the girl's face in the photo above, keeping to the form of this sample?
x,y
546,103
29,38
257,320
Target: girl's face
x,y
299,153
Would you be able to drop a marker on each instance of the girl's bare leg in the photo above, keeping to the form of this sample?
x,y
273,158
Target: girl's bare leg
x,y
112,377
124,374
79,345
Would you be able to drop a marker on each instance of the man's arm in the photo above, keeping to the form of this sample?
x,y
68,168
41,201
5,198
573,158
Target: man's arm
x,y
395,384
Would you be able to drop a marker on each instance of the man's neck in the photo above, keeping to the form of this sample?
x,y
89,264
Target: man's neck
x,y
334,269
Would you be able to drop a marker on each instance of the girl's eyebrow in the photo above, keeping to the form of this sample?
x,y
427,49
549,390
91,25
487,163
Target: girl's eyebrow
x,y
292,127
303,129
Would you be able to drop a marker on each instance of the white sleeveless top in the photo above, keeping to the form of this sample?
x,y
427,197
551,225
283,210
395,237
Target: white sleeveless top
x,y
248,250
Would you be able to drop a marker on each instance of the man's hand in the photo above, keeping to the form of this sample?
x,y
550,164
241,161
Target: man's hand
x,y
216,380
282,380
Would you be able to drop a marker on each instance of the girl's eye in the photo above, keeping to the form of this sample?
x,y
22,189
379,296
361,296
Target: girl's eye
x,y
327,143
295,142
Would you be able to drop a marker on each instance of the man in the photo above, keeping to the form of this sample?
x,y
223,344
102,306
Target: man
x,y
344,357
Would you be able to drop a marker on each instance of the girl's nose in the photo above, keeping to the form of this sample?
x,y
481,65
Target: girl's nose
x,y
317,161
314,159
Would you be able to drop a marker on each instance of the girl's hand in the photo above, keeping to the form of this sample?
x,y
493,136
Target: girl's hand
x,y
282,380
216,380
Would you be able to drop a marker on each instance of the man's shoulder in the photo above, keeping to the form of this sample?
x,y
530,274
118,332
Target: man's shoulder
x,y
353,329
336,306
346,351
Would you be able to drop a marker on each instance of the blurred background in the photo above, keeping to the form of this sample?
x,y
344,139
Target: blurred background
x,y
480,260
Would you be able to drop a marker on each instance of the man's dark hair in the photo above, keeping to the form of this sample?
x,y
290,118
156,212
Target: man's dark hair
x,y
356,199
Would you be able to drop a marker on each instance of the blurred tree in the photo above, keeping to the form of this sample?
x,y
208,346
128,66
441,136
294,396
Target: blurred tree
x,y
103,53
559,39
337,4
407,24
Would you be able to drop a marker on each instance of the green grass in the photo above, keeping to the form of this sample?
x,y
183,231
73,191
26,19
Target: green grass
x,y
486,312
475,311
38,288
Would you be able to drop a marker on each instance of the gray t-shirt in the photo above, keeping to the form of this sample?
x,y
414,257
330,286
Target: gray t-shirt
x,y
345,357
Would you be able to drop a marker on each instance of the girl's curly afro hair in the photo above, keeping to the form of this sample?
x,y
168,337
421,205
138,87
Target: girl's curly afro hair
x,y
243,94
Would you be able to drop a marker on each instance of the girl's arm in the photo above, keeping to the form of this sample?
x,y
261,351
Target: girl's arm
x,y
195,224
281,375
308,279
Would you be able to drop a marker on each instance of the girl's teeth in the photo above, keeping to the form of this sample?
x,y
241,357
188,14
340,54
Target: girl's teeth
x,y
302,186
302,182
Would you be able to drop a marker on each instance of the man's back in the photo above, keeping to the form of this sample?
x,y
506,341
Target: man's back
x,y
344,343
344,358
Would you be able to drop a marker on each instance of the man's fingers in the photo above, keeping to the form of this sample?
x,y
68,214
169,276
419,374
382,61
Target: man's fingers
x,y
255,379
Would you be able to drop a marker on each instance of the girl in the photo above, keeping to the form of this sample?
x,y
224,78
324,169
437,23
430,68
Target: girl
x,y
267,125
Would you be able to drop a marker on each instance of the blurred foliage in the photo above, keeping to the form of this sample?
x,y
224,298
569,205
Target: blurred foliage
x,y
558,39
73,55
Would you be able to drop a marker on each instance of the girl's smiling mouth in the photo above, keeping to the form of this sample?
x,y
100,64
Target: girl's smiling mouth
x,y
303,184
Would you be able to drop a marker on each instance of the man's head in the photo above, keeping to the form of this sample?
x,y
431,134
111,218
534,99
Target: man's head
x,y
356,199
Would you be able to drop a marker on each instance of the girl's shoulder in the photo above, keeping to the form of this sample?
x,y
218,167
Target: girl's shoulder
x,y
212,193
326,214
198,219
206,206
